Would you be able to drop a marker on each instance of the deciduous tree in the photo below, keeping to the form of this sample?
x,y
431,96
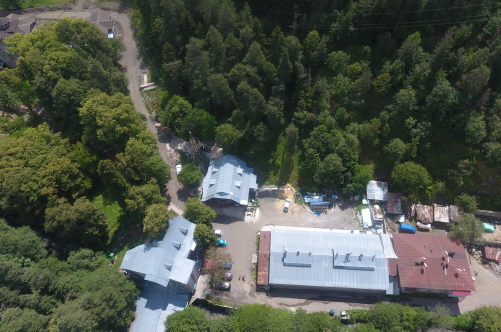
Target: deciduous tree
x,y
205,237
198,213
190,175
155,222
82,223
467,230
110,121
410,177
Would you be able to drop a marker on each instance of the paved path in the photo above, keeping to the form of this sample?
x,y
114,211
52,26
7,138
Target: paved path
x,y
133,63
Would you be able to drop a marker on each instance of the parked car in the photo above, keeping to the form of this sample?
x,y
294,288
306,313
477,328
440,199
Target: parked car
x,y
228,276
343,315
218,232
222,242
178,169
225,286
225,265
204,148
406,228
287,204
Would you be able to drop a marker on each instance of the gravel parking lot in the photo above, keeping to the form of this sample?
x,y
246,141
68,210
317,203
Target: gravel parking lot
x,y
241,234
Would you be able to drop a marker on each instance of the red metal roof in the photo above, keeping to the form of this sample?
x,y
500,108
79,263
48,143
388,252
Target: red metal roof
x,y
441,272
493,251
392,266
461,293
263,263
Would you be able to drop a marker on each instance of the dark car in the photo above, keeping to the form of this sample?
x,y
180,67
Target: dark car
x,y
228,276
204,148
225,286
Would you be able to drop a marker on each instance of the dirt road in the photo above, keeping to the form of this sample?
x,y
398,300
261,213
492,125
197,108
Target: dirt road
x,y
135,66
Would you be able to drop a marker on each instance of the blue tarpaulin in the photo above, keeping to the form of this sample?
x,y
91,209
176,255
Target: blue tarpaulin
x,y
335,196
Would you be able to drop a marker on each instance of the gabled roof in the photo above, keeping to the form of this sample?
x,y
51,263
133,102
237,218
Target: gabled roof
x,y
377,190
441,272
161,261
325,258
228,177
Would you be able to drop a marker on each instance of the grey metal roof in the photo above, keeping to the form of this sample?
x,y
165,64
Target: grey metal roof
x,y
228,177
155,303
365,268
377,190
161,261
387,243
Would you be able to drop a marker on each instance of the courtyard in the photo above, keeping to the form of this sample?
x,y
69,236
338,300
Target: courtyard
x,y
241,232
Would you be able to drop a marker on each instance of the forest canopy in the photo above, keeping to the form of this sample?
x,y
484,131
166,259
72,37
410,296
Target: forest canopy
x,y
358,83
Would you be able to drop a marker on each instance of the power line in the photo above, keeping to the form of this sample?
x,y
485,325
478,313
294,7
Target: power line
x,y
403,12
375,27
365,24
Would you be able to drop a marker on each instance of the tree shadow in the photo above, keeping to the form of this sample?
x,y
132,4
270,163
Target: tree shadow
x,y
183,193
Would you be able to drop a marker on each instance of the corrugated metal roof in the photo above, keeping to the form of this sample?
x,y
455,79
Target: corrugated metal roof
x,y
493,251
377,190
455,212
394,204
423,213
313,199
365,268
366,217
441,271
440,213
263,258
387,246
228,177
153,306
161,261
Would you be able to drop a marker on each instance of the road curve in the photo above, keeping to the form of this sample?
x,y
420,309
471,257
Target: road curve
x,y
132,61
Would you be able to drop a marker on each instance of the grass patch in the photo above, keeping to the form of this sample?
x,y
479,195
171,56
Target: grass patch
x,y
282,170
208,297
113,212
172,214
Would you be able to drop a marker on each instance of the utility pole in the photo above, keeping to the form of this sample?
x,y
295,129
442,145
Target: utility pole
x,y
294,23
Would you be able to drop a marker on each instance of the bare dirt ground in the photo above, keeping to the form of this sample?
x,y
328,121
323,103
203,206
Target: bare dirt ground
x,y
241,234
493,237
488,288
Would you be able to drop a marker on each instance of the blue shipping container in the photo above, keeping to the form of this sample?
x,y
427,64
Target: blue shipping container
x,y
406,228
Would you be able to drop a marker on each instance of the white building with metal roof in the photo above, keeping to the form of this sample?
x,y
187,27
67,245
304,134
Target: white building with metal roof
x,y
168,275
377,191
228,180
329,259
